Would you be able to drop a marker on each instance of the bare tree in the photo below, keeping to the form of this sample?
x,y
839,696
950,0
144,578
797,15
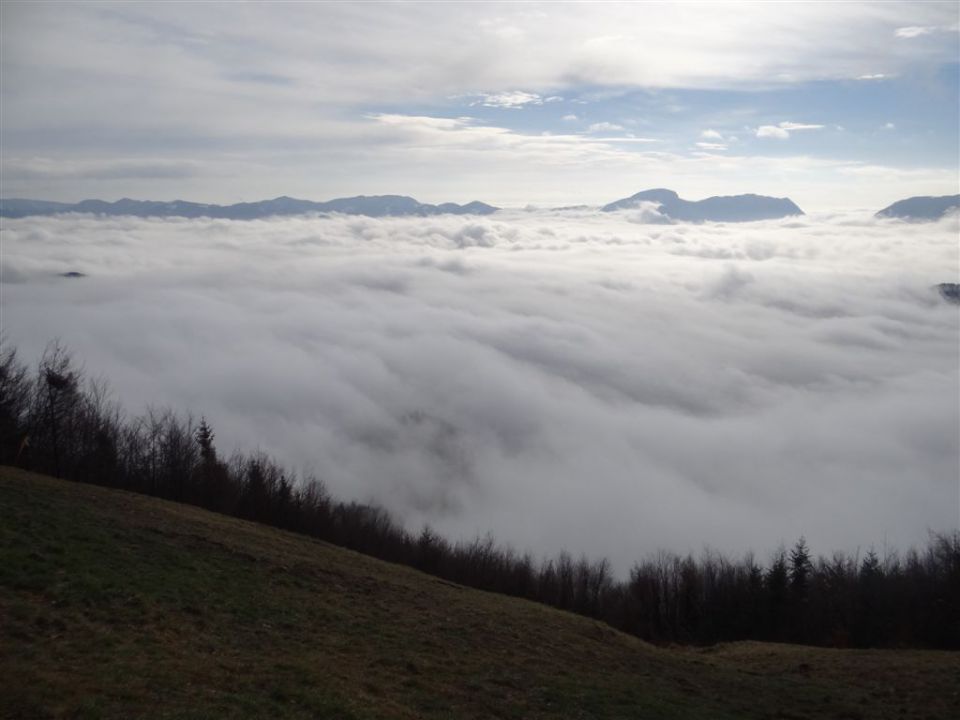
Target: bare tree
x,y
15,393
56,399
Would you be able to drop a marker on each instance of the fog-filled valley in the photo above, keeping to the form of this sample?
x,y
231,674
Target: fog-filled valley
x,y
576,379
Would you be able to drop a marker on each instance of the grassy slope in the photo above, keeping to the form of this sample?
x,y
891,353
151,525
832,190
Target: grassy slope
x,y
117,605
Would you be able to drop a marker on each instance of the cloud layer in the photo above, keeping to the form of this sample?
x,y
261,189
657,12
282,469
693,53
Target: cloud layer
x,y
571,379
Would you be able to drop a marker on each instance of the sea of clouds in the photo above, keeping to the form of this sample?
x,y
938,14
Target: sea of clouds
x,y
567,379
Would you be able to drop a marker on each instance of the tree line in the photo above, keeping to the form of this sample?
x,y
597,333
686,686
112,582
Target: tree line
x,y
56,421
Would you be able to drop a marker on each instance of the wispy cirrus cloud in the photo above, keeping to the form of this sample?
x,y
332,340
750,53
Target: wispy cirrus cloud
x,y
782,130
913,31
604,127
426,122
799,126
514,99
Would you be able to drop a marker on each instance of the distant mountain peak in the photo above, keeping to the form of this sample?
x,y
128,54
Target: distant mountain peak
x,y
922,207
656,194
731,208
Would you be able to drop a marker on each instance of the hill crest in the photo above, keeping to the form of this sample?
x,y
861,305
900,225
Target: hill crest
x,y
112,600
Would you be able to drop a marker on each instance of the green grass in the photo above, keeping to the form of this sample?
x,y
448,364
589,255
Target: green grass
x,y
114,605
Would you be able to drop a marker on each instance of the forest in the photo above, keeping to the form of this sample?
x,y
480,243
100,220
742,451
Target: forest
x,y
56,420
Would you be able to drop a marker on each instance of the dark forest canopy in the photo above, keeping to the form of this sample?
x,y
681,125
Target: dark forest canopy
x,y
56,421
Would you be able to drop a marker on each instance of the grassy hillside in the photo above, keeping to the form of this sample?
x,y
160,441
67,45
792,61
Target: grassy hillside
x,y
116,605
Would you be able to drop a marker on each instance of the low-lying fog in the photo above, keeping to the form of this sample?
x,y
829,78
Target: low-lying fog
x,y
571,380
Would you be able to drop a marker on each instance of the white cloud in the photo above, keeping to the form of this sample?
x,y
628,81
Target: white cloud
x,y
314,54
711,135
514,99
495,373
772,131
874,76
569,118
711,146
782,131
913,31
604,127
889,126
425,122
799,126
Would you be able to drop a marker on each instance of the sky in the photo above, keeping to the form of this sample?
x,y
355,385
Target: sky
x,y
581,380
835,105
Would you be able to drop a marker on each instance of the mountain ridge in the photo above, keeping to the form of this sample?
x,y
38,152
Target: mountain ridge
x,y
369,205
717,208
670,206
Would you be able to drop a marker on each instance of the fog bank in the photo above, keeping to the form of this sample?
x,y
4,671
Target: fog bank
x,y
572,380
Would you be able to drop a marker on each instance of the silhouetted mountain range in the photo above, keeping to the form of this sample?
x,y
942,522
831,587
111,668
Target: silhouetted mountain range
x,y
734,208
374,206
729,208
923,207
